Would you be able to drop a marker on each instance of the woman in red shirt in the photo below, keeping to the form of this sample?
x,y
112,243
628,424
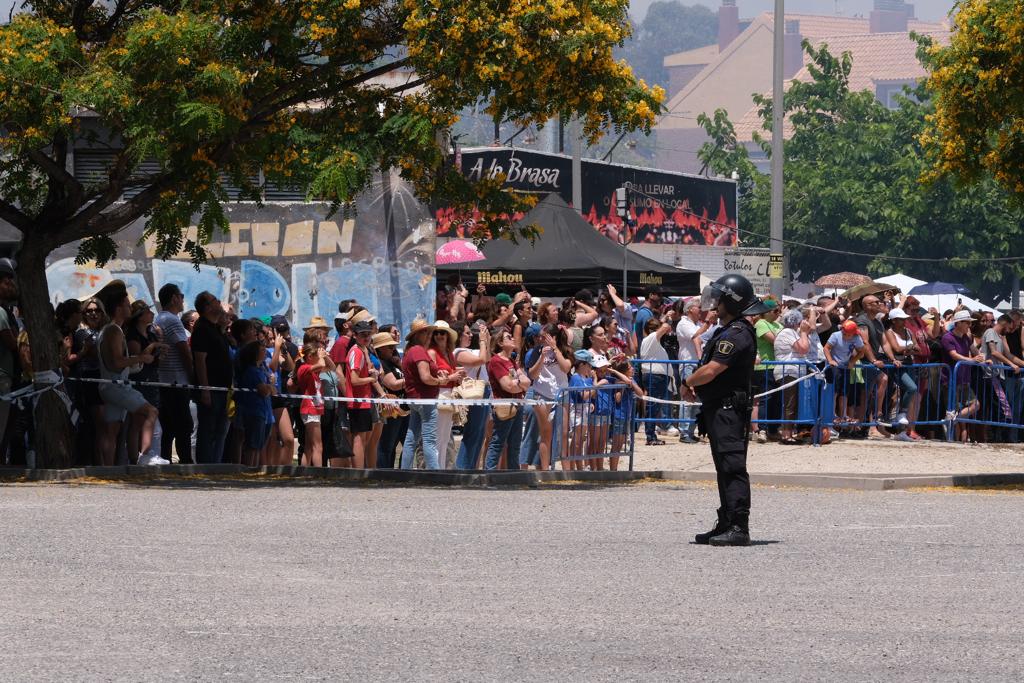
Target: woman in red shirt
x,y
307,382
421,381
508,380
362,377
442,344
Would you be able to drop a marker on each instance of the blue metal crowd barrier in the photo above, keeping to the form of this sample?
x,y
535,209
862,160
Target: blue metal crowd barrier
x,y
914,391
590,424
844,398
987,395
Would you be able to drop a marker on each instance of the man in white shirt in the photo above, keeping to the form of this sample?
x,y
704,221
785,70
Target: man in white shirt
x,y
689,332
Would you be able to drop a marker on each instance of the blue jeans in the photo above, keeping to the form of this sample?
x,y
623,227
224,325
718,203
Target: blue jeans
x,y
508,431
473,435
529,449
213,429
657,387
422,422
908,386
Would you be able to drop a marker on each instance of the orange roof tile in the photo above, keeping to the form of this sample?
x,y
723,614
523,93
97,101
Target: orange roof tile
x,y
877,57
698,56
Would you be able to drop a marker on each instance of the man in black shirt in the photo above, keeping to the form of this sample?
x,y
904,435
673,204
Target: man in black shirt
x,y
212,362
723,384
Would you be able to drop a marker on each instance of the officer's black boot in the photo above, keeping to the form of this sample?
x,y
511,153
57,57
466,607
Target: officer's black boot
x,y
720,526
737,533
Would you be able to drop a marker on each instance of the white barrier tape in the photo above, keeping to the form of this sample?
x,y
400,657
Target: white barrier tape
x,y
689,404
42,382
340,399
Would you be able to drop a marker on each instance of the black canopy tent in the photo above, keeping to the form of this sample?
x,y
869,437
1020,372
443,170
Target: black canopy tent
x,y
568,256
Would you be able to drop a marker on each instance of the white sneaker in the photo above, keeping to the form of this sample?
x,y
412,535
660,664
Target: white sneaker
x,y
901,419
148,460
762,436
671,431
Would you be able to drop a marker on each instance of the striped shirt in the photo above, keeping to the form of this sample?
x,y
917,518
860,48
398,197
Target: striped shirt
x,y
172,368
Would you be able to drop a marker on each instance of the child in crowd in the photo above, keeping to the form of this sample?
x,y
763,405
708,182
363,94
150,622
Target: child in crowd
x,y
842,351
307,382
581,402
253,402
623,410
601,413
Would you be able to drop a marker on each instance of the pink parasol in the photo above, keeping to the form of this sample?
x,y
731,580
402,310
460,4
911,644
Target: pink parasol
x,y
457,251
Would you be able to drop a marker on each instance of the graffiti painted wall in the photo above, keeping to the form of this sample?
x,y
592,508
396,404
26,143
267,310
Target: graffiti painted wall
x,y
291,259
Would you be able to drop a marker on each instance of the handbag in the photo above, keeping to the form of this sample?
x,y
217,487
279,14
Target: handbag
x,y
471,389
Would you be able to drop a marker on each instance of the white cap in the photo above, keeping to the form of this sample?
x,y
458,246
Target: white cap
x,y
898,314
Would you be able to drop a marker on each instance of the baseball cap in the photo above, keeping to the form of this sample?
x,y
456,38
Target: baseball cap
x,y
600,361
898,314
849,327
363,326
504,299
584,356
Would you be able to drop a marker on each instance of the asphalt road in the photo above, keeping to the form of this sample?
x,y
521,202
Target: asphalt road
x,y
187,582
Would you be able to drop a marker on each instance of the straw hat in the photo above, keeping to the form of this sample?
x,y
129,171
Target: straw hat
x,y
361,316
452,334
316,323
382,339
418,325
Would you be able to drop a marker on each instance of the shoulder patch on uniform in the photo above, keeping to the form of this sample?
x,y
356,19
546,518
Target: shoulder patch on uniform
x,y
725,347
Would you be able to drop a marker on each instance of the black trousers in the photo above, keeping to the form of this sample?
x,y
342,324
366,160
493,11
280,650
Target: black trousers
x,y
727,431
176,423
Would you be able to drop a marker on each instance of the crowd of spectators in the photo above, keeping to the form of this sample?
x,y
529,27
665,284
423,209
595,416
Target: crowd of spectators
x,y
265,398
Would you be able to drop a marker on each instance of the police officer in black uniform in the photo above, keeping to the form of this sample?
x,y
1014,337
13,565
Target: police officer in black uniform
x,y
723,384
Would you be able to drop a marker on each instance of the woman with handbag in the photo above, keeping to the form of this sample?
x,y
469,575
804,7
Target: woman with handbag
x,y
508,380
442,343
396,420
476,385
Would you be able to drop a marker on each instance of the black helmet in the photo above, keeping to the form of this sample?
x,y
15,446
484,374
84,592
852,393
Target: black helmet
x,y
736,292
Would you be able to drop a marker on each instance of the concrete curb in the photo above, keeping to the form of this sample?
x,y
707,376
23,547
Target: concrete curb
x,y
480,479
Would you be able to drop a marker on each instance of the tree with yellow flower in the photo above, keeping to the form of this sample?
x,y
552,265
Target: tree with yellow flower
x,y
290,92
978,85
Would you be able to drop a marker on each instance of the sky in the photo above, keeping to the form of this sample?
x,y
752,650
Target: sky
x,y
926,10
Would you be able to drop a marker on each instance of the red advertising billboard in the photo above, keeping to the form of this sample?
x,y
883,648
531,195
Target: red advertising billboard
x,y
668,208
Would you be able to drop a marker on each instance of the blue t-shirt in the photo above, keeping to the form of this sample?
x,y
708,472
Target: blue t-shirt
x,y
605,401
250,403
624,407
640,321
843,349
579,381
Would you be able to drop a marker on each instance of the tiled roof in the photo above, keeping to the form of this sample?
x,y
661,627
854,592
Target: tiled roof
x,y
877,57
700,55
814,26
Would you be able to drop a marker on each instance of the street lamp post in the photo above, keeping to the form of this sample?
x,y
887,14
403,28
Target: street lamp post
x,y
776,265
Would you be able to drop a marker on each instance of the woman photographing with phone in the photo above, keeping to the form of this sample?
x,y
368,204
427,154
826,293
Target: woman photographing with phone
x,y
548,365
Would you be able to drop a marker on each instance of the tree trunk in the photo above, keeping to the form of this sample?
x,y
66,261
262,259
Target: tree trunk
x,y
53,442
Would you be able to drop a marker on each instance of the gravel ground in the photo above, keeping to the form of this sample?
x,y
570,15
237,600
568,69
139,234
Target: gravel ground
x,y
854,457
202,581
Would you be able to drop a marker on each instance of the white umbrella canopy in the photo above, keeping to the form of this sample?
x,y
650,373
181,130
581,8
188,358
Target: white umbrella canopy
x,y
902,282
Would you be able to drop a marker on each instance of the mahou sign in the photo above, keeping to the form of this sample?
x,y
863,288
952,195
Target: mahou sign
x,y
669,208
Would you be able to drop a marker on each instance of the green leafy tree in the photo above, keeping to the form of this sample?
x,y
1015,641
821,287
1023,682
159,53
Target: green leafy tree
x,y
668,27
853,185
203,90
977,81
